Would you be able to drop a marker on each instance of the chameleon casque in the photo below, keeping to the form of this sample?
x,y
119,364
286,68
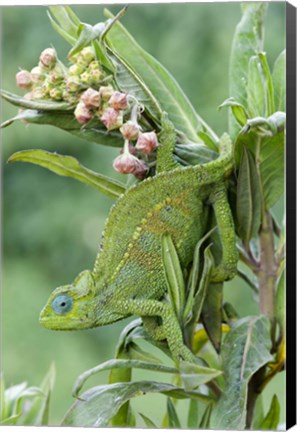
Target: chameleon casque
x,y
128,276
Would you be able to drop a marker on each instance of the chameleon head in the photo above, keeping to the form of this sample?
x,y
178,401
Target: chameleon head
x,y
69,306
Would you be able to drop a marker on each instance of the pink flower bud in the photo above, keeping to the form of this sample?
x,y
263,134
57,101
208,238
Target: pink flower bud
x,y
48,58
91,98
147,142
130,130
82,113
112,119
119,101
126,163
141,170
106,92
23,79
37,75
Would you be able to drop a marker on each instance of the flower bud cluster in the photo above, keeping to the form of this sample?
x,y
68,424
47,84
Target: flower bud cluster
x,y
84,86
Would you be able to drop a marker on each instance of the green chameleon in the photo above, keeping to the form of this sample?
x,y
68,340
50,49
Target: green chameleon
x,y
128,276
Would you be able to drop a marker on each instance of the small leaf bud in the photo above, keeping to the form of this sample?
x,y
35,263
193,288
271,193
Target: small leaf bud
x,y
23,79
82,113
95,76
85,78
91,98
38,93
56,93
88,54
94,65
48,58
119,101
112,119
130,130
106,92
75,69
37,75
147,142
73,83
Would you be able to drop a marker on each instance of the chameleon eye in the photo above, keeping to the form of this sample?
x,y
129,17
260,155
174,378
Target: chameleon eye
x,y
62,304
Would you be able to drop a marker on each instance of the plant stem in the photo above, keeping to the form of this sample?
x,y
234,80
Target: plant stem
x,y
268,270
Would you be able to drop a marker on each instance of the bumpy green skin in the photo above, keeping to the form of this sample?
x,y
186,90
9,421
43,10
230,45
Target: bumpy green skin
x,y
128,276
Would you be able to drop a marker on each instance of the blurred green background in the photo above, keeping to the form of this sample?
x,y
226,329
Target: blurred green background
x,y
52,225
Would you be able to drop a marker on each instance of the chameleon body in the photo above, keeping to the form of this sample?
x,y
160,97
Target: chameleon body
x,y
128,276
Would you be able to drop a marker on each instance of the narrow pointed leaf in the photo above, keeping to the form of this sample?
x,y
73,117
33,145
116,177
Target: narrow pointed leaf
x,y
212,314
70,39
248,204
256,100
279,82
194,375
271,419
66,18
148,422
195,154
120,364
205,421
173,419
193,414
245,350
69,166
269,94
162,85
174,276
94,131
200,293
86,35
101,403
247,42
238,110
42,104
272,168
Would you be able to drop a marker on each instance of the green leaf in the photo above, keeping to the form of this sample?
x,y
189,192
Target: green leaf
x,y
173,419
174,276
162,85
248,204
245,350
212,314
194,154
148,422
247,42
86,35
69,166
120,364
268,85
195,296
130,82
194,375
271,419
256,100
66,18
272,167
238,110
279,82
42,104
193,414
38,414
99,404
205,421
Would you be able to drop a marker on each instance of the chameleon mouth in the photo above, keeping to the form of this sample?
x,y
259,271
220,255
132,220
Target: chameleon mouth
x,y
62,322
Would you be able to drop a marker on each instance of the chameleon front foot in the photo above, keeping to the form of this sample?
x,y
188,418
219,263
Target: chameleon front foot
x,y
170,330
